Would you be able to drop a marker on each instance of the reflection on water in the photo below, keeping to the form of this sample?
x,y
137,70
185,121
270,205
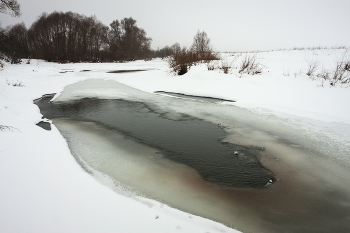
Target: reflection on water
x,y
305,198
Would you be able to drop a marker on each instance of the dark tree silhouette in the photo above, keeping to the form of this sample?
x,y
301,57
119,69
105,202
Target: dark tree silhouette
x,y
127,41
14,43
164,52
67,37
71,37
114,40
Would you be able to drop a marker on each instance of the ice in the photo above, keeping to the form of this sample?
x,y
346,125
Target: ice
x,y
299,169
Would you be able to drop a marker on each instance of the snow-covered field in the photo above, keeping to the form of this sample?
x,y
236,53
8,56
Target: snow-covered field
x,y
43,189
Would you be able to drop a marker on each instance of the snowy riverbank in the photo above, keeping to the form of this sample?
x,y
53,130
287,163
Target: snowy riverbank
x,y
43,189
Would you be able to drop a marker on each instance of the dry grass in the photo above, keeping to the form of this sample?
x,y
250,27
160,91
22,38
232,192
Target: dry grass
x,y
250,64
226,66
339,76
15,84
5,127
211,65
183,58
312,67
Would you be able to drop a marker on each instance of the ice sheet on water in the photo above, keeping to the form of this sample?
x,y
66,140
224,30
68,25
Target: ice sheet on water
x,y
300,169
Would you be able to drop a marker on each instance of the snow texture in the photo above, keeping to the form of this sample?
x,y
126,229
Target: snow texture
x,y
43,189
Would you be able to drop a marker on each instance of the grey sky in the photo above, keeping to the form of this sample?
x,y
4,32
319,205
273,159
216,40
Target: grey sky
x,y
241,25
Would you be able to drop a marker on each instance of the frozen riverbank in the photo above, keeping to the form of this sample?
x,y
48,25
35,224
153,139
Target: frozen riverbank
x,y
301,198
44,191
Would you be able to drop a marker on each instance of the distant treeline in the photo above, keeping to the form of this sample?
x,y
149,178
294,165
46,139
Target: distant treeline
x,y
71,37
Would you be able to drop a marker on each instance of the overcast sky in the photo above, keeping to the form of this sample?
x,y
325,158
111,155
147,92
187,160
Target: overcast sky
x,y
242,25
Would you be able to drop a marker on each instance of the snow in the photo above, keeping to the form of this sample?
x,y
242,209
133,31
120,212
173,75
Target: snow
x,y
43,189
280,88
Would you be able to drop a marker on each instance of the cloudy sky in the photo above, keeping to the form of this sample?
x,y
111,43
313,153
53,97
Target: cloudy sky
x,y
232,25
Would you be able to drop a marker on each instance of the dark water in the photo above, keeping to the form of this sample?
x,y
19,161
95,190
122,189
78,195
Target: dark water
x,y
195,97
44,125
189,141
125,71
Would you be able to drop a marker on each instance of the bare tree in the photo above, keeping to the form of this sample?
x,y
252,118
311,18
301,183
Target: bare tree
x,y
10,7
201,46
114,39
181,60
70,37
201,42
134,43
17,43
67,37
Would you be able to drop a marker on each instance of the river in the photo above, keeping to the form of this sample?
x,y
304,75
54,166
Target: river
x,y
253,172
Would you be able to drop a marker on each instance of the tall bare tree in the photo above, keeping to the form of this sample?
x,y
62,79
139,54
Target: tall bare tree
x,y
201,45
67,37
114,39
14,43
18,42
127,41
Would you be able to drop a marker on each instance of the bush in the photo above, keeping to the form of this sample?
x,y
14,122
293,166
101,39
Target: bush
x,y
250,64
211,65
181,60
312,67
340,76
226,66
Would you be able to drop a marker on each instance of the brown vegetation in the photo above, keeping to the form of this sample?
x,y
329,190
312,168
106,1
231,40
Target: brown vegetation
x,y
250,65
340,76
183,58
